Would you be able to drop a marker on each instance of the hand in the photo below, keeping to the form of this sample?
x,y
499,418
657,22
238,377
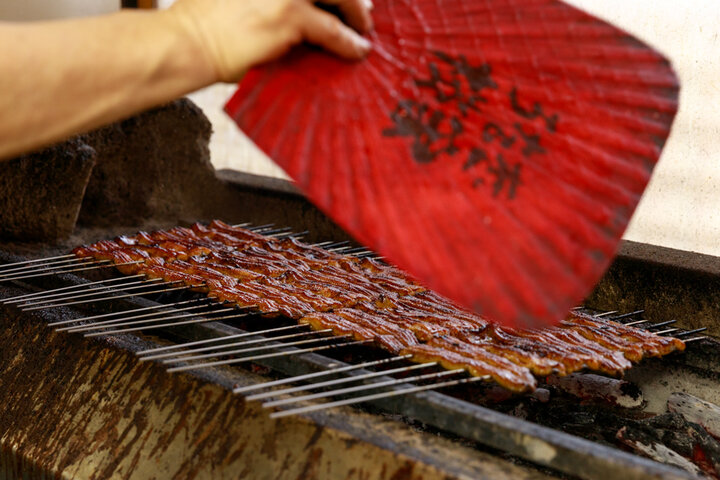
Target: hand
x,y
238,34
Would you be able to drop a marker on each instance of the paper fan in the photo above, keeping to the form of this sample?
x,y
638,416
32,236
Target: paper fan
x,y
494,149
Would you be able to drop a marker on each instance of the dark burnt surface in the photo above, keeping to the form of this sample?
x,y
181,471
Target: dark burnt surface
x,y
687,439
40,193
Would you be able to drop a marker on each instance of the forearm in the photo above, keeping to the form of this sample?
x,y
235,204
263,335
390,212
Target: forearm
x,y
68,77
61,78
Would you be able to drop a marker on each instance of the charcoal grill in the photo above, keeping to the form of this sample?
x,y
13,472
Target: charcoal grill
x,y
39,353
97,407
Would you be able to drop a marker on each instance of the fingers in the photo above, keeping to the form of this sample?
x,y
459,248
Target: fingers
x,y
356,13
328,31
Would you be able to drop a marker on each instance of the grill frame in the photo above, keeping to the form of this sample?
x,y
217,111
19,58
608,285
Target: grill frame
x,y
269,200
532,442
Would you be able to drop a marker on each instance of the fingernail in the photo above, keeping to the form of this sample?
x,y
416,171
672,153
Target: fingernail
x,y
362,44
370,24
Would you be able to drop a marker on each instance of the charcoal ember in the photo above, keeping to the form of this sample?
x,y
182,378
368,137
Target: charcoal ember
x,y
671,439
567,417
502,399
521,410
542,395
658,452
696,410
41,192
597,422
588,386
260,369
498,394
155,165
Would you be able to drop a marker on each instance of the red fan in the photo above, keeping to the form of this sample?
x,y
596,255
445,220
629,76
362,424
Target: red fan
x,y
495,149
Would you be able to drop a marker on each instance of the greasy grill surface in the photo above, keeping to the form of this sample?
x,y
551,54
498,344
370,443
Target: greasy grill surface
x,y
372,302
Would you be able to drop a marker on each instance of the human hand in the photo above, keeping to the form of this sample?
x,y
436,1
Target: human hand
x,y
235,35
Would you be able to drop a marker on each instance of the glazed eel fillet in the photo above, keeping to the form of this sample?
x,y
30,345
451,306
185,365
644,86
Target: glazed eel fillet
x,y
371,301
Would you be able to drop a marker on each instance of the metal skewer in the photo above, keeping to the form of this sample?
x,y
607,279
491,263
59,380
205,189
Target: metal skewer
x,y
638,322
48,293
290,235
337,381
661,324
260,227
604,314
263,230
256,349
116,297
626,315
669,330
37,260
56,262
180,354
27,273
39,267
358,250
376,396
690,332
331,245
95,287
369,255
112,314
307,376
83,269
365,254
126,320
155,351
267,355
322,244
360,388
276,231
97,291
123,322
172,324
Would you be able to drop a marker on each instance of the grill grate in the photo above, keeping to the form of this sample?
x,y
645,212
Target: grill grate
x,y
196,320
222,351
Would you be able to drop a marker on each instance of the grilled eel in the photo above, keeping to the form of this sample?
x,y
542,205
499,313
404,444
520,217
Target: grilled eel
x,y
372,301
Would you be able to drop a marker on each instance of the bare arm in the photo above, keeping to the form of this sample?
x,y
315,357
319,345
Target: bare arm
x,y
65,77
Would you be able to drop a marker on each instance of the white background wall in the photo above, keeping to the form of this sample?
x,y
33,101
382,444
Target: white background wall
x,y
681,208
